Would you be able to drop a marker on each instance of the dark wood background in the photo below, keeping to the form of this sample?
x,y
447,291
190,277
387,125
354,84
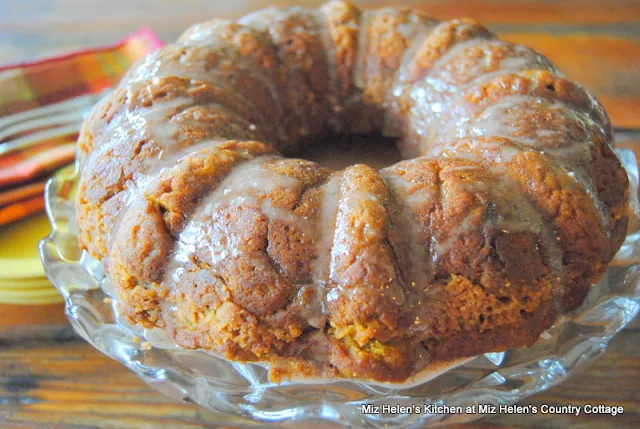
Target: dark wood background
x,y
60,382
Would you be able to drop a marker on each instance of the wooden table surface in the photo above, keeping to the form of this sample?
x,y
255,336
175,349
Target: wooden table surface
x,y
62,383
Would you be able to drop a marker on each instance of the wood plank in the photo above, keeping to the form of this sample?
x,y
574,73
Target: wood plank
x,y
71,385
488,11
526,11
12,316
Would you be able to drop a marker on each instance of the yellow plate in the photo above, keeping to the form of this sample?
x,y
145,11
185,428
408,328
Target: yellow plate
x,y
47,295
25,283
19,247
31,293
34,300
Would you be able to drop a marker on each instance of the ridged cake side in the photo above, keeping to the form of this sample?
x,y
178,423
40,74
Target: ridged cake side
x,y
510,205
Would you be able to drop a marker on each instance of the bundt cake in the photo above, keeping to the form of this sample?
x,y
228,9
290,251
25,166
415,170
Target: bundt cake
x,y
508,205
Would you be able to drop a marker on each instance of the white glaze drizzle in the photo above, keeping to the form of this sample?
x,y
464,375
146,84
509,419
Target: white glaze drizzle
x,y
574,156
412,198
246,186
320,267
249,181
350,200
335,107
219,75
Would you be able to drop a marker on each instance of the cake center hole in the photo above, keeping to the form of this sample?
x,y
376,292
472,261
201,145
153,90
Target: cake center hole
x,y
340,151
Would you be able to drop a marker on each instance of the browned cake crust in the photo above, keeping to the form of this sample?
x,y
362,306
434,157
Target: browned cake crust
x,y
509,206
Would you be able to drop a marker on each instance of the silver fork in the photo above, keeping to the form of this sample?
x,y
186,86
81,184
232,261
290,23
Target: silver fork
x,y
66,117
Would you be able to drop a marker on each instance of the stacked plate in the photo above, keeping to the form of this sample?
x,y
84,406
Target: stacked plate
x,y
22,278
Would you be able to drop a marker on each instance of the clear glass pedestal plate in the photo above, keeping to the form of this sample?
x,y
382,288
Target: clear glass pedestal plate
x,y
242,393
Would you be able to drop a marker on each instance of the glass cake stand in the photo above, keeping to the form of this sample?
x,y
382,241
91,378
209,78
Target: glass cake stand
x,y
242,393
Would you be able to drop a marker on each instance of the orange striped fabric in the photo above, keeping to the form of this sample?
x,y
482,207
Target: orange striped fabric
x,y
28,85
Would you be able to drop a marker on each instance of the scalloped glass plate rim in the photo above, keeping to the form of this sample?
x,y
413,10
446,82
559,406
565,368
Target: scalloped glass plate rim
x,y
241,394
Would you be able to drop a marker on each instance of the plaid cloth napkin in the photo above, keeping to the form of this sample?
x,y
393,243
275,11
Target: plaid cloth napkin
x,y
24,86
